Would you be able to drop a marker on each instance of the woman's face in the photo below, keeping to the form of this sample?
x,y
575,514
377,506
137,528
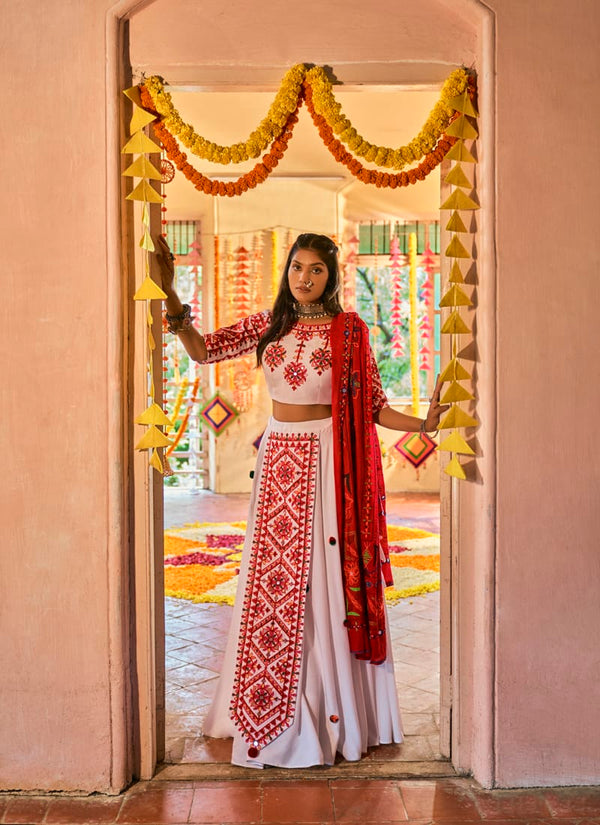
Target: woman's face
x,y
307,276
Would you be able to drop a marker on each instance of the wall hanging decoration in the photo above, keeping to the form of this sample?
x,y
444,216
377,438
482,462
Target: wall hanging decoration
x,y
397,314
413,322
141,145
415,447
349,274
451,122
462,128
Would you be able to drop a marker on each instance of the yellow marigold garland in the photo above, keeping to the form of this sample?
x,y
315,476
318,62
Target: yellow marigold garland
x,y
285,102
326,105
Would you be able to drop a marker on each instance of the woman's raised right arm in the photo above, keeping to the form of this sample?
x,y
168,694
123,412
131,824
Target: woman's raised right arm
x,y
191,339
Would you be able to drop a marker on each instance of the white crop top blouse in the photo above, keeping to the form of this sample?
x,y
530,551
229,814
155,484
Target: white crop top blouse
x,y
297,367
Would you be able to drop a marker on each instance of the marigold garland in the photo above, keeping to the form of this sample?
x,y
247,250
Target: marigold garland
x,y
271,127
372,176
230,188
329,109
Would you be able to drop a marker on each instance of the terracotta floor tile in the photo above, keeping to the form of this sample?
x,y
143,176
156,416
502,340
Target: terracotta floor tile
x,y
204,749
29,810
93,810
439,799
381,803
228,803
505,804
157,805
573,801
297,802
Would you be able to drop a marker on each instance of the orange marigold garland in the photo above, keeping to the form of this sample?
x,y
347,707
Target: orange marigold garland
x,y
372,176
251,179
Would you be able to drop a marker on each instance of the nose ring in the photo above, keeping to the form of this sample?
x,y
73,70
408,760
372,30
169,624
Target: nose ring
x,y
308,283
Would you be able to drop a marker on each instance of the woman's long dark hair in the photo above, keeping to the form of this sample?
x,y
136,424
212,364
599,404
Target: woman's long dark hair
x,y
284,312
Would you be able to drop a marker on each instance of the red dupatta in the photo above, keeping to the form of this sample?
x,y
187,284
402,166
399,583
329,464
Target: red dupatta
x,y
360,492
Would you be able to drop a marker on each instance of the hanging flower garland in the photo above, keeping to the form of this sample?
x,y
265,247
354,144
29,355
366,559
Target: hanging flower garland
x,y
273,125
251,179
186,417
329,109
372,176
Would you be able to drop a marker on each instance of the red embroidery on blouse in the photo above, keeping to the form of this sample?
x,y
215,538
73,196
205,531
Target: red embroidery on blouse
x,y
274,356
295,373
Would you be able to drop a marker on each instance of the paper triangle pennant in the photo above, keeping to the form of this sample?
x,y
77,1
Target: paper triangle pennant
x,y
155,461
149,291
140,144
454,468
146,241
456,417
454,325
455,297
462,103
133,93
457,177
456,276
456,393
456,223
456,249
460,152
144,192
454,371
139,119
142,168
455,443
152,438
462,128
154,415
459,200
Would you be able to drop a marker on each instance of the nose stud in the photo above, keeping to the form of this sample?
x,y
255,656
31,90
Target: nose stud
x,y
308,283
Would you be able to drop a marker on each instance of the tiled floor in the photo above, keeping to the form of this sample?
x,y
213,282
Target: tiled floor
x,y
414,802
196,635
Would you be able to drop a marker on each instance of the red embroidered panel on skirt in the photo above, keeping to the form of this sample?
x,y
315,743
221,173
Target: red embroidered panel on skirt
x,y
270,646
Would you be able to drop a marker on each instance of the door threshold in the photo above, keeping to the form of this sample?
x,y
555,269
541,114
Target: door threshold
x,y
366,769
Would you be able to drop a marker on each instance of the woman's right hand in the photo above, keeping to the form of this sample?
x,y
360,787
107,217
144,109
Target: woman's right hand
x,y
166,264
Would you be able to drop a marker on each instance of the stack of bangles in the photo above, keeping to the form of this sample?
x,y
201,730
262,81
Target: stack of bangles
x,y
182,322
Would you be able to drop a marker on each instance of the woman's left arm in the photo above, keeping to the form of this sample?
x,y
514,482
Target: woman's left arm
x,y
394,420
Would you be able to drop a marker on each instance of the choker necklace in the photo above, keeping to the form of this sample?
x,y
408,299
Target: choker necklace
x,y
310,311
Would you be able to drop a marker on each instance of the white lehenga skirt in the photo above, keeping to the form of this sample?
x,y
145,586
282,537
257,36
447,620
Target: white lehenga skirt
x,y
338,704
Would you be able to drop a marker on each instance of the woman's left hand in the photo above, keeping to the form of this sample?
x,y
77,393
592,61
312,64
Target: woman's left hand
x,y
436,410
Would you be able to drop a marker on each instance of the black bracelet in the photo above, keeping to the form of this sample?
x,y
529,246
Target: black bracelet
x,y
185,313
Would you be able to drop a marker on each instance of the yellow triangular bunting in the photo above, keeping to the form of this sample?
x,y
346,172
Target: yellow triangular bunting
x,y
139,119
456,249
456,276
142,168
456,417
455,297
462,103
459,200
133,93
153,415
456,393
454,325
456,223
155,461
455,443
454,468
144,192
152,438
458,178
454,371
460,152
140,144
462,128
147,242
149,291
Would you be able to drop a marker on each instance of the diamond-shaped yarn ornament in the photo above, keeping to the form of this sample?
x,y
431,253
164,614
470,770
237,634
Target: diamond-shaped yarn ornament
x,y
415,447
218,414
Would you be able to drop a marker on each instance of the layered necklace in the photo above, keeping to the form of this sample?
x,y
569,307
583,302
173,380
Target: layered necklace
x,y
310,311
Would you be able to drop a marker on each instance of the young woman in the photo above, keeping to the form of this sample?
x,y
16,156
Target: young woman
x,y
308,670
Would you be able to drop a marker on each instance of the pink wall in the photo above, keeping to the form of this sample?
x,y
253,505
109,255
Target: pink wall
x,y
63,686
